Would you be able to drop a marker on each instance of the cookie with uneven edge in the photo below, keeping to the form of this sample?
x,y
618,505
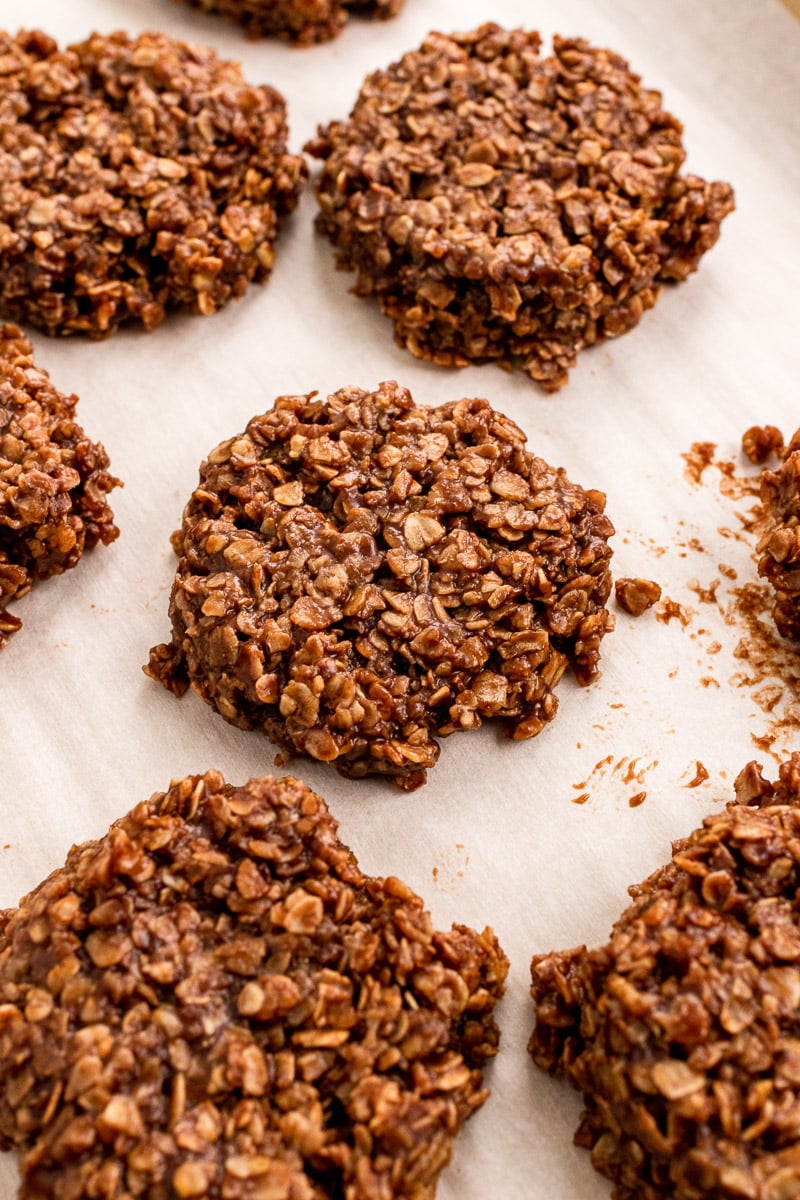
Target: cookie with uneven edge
x,y
213,1000
505,206
779,545
681,1032
304,22
54,481
360,575
137,175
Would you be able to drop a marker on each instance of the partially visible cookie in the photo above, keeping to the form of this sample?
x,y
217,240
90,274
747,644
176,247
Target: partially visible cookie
x,y
53,479
503,206
137,175
681,1032
360,575
301,21
779,546
213,1000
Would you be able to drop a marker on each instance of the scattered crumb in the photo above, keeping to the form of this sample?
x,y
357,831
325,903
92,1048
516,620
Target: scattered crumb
x,y
697,458
451,868
706,595
667,609
760,441
635,596
700,776
769,664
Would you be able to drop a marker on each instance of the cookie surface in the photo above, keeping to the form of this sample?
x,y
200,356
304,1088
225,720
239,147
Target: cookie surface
x,y
136,176
681,1032
302,21
505,206
779,546
359,575
53,479
213,1000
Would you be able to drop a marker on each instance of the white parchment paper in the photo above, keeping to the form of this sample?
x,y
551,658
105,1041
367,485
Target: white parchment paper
x,y
494,837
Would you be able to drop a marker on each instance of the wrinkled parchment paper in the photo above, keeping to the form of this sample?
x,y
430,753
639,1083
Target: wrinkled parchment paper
x,y
495,836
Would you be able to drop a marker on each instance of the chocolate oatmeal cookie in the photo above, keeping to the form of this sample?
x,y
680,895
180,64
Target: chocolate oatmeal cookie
x,y
681,1032
53,479
304,22
779,546
360,575
136,175
212,1000
505,206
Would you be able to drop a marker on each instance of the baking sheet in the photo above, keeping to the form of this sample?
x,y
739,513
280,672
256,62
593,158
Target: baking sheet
x,y
495,837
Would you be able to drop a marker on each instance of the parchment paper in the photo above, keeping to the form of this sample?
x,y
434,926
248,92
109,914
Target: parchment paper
x,y
495,836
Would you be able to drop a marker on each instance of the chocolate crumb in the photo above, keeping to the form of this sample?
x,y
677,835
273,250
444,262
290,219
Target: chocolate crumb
x,y
667,610
707,594
761,441
635,596
697,458
700,776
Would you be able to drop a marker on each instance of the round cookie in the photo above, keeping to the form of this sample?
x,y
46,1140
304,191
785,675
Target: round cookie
x,y
360,575
212,1000
53,479
304,22
681,1032
136,176
505,206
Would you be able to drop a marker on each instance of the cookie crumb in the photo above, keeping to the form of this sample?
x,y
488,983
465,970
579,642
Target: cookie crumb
x,y
635,596
760,441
